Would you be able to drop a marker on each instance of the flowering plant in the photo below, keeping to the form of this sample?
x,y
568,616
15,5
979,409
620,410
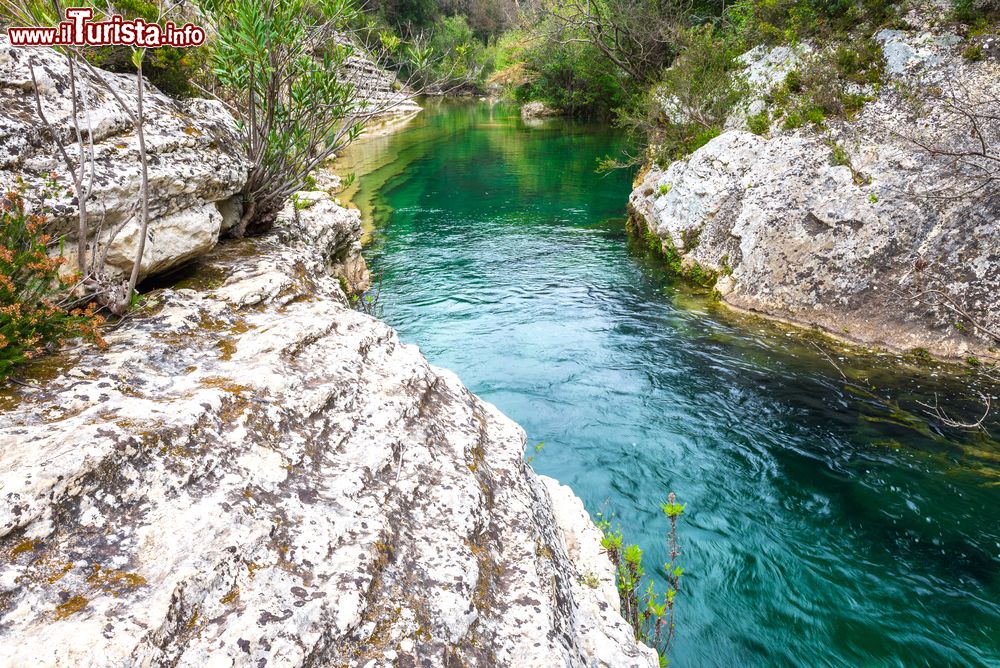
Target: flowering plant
x,y
37,310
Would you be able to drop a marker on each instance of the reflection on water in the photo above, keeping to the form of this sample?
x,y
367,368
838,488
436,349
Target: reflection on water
x,y
827,525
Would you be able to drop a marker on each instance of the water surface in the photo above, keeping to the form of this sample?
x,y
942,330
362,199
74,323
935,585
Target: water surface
x,y
827,525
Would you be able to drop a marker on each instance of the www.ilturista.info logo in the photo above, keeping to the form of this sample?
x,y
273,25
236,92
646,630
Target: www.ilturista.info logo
x,y
79,30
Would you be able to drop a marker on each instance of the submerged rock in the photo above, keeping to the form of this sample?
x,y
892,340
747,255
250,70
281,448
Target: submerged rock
x,y
253,474
858,230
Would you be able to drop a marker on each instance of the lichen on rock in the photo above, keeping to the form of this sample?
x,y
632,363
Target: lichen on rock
x,y
196,164
845,228
311,493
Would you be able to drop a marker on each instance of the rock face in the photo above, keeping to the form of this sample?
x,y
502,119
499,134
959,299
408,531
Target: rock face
x,y
378,88
314,223
195,164
879,241
537,110
253,474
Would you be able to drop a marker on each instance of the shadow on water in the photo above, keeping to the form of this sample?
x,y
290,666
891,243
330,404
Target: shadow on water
x,y
830,523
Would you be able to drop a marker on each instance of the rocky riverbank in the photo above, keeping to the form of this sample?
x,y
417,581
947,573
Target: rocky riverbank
x,y
253,473
856,228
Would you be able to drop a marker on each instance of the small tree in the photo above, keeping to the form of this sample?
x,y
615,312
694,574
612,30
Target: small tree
x,y
284,65
113,295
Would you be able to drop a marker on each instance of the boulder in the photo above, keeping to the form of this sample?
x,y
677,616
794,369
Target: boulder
x,y
254,474
314,221
195,159
858,229
537,110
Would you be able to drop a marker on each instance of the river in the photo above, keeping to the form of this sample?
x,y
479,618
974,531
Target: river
x,y
827,523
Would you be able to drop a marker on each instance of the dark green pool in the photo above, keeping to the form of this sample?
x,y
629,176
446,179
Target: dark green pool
x,y
825,526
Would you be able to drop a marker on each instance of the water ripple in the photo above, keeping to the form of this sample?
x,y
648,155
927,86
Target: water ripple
x,y
824,528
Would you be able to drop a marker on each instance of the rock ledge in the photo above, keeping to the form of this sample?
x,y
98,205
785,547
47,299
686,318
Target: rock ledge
x,y
253,474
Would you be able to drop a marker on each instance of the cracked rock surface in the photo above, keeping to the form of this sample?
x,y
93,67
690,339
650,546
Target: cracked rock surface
x,y
852,243
196,166
253,474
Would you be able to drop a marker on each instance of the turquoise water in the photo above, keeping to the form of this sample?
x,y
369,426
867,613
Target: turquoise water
x,y
826,526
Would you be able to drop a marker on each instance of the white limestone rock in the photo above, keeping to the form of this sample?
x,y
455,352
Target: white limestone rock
x,y
848,248
195,157
313,220
537,110
254,474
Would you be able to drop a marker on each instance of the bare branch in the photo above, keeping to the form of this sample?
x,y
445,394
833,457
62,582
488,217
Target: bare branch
x,y
938,413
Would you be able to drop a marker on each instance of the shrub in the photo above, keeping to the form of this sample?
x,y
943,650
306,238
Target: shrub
x,y
791,21
459,58
814,115
792,121
759,124
171,70
829,85
689,106
35,315
838,156
572,76
973,52
964,11
282,66
650,615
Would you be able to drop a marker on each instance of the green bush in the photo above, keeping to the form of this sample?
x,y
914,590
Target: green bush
x,y
278,65
791,21
759,124
965,10
814,115
574,77
792,121
171,70
973,52
35,315
459,57
828,85
689,106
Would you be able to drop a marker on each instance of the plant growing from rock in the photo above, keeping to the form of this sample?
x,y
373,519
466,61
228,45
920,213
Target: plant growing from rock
x,y
650,615
283,67
37,309
689,105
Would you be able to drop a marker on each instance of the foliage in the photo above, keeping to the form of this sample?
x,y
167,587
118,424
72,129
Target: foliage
x,y
486,18
405,15
458,58
173,71
283,70
638,36
833,84
688,107
572,76
973,52
965,10
759,123
35,311
791,21
650,615
507,54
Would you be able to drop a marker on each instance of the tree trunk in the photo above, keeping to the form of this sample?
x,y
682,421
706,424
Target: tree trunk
x,y
144,204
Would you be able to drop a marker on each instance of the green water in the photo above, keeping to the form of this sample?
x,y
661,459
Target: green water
x,y
826,526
